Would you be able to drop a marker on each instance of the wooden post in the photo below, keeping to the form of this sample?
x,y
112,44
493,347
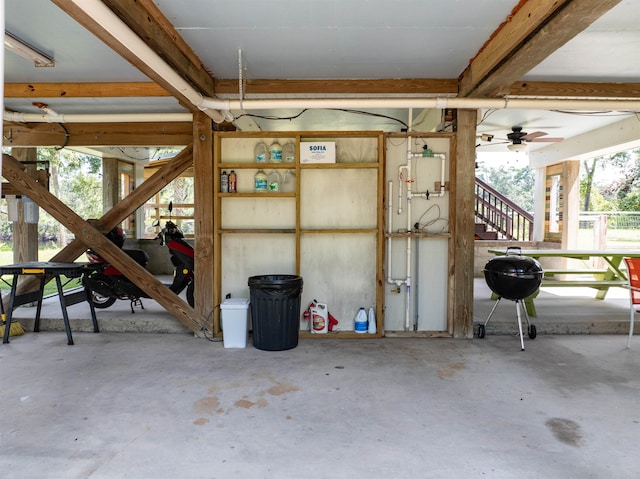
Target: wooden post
x,y
462,235
25,236
110,183
203,215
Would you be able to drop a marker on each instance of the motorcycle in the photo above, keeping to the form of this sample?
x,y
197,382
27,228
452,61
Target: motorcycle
x,y
107,284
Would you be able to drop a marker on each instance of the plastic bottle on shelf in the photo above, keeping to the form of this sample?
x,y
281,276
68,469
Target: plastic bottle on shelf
x,y
289,152
233,180
273,181
275,152
360,323
261,152
224,182
260,182
288,182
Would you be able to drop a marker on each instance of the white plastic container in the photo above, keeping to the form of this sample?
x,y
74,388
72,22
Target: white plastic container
x,y
260,182
275,152
319,318
360,323
261,152
371,322
273,181
234,318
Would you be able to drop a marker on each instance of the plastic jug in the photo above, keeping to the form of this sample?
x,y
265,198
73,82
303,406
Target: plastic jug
x,y
261,152
319,320
275,152
260,182
273,181
288,182
289,152
371,322
360,323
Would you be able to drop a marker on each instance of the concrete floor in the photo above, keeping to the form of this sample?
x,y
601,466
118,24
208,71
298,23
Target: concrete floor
x,y
173,406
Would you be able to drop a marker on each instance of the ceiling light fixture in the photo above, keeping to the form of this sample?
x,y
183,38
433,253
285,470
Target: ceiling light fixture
x,y
17,46
517,147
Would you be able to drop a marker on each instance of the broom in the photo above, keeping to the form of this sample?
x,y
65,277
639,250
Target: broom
x,y
15,329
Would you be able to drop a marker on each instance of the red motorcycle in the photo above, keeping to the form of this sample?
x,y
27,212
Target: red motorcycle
x,y
107,284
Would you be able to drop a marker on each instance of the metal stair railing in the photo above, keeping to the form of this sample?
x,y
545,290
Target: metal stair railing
x,y
501,214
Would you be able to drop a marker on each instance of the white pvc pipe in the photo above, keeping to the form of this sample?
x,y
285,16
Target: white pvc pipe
x,y
96,118
439,103
132,42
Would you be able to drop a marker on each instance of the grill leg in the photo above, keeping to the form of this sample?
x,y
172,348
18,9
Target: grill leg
x,y
495,305
520,323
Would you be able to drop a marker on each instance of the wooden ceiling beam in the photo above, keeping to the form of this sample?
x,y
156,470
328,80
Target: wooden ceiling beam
x,y
575,89
97,134
535,30
418,86
185,68
146,19
84,90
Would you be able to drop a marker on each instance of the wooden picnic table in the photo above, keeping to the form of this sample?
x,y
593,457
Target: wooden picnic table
x,y
588,276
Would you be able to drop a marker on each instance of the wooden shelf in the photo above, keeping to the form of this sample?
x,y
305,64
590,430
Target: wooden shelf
x,y
256,166
417,235
266,194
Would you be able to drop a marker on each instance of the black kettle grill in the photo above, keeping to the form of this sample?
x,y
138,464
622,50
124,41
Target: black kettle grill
x,y
514,277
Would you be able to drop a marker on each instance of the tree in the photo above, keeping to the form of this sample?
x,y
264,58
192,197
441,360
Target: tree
x,y
517,184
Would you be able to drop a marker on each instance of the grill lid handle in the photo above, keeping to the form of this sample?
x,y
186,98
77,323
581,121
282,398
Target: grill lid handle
x,y
514,250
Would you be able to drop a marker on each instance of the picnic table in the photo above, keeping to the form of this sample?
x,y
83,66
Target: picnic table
x,y
600,279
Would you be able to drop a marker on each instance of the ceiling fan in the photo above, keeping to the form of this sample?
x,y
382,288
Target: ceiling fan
x,y
520,138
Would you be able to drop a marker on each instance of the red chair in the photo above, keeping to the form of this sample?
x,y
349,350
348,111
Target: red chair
x,y
633,274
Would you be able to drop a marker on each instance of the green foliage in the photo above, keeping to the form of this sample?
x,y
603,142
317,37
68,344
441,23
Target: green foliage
x,y
614,180
515,183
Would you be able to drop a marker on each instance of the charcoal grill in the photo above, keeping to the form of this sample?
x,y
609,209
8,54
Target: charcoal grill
x,y
513,277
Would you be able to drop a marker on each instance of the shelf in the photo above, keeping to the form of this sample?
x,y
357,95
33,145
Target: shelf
x,y
417,235
310,166
337,230
338,334
256,195
256,230
256,166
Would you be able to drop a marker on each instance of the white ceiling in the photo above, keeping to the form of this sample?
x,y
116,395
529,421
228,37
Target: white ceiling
x,y
333,40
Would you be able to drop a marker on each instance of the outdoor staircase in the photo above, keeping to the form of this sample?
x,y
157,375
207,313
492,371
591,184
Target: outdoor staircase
x,y
497,217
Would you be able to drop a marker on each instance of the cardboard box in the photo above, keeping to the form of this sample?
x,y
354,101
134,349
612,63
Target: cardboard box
x,y
317,152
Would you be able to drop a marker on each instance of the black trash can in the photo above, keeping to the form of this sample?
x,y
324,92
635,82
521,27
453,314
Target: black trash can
x,y
275,310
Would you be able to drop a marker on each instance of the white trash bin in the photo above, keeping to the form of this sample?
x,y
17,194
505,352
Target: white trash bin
x,y
234,317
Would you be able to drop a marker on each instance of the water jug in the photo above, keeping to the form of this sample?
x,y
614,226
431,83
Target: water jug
x,y
273,181
275,152
360,323
261,152
260,182
289,152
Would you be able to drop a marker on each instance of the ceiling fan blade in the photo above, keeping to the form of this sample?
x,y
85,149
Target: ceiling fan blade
x,y
535,134
546,140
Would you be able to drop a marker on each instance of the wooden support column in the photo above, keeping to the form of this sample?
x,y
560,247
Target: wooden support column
x,y
110,183
204,185
25,236
462,213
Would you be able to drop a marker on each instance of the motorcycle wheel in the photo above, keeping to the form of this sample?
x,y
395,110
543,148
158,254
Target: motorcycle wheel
x,y
190,299
101,302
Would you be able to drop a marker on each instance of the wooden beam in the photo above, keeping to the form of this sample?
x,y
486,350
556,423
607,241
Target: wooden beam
x,y
127,205
204,187
97,134
146,19
445,86
461,206
536,29
575,89
90,236
84,90
114,42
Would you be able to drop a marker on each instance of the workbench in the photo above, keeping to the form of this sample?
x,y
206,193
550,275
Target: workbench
x,y
46,270
600,279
